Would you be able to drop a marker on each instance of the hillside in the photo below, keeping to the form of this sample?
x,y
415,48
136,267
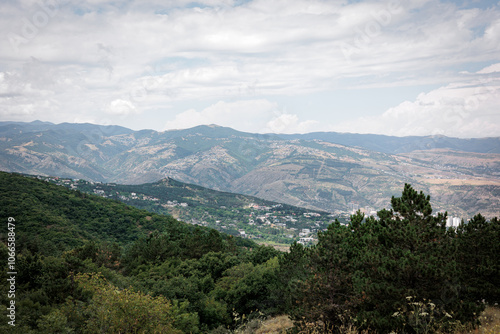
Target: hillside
x,y
320,171
80,263
52,219
77,255
395,145
234,214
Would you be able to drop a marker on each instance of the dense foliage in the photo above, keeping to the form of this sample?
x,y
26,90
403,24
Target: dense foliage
x,y
91,265
154,260
373,272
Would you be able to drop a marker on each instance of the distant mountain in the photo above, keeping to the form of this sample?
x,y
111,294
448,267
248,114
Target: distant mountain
x,y
84,128
324,171
394,145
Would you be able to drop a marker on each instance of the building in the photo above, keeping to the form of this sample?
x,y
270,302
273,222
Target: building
x,y
306,240
453,221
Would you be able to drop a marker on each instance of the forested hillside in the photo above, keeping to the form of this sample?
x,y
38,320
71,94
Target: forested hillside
x,y
78,263
234,214
63,238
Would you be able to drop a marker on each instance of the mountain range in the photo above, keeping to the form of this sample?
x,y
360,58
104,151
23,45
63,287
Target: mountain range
x,y
323,171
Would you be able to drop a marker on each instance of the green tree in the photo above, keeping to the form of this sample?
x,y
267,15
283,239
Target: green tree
x,y
261,254
364,272
478,254
111,310
54,323
409,253
247,289
291,273
326,296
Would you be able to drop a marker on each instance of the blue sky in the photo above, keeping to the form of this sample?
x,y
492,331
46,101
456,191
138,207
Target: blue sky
x,y
416,67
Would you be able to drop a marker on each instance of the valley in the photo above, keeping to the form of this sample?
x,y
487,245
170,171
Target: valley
x,y
318,171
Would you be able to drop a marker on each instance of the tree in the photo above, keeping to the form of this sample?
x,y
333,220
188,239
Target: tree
x,y
478,254
292,271
247,288
365,271
409,254
111,310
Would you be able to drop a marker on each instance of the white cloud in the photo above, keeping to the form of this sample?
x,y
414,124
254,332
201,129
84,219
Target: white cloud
x,y
257,116
289,123
121,107
490,69
244,115
466,109
124,59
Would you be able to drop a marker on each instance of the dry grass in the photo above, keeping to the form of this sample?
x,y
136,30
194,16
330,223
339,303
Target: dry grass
x,y
490,322
280,325
344,329
276,325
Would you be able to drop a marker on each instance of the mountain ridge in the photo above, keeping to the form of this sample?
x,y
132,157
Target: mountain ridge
x,y
374,142
303,170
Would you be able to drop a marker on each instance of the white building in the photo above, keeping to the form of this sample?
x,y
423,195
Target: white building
x,y
305,232
307,240
453,221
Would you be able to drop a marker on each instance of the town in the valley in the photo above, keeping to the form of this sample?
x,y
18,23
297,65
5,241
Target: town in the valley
x,y
265,223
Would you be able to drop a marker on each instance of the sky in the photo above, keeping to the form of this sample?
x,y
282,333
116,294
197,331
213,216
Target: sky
x,y
413,67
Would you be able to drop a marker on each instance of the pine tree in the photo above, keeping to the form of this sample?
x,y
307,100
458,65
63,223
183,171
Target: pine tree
x,y
478,253
410,255
371,271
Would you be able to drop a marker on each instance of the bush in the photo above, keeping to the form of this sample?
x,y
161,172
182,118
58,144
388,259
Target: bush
x,y
111,310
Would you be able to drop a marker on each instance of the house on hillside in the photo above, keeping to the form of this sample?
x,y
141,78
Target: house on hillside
x,y
307,241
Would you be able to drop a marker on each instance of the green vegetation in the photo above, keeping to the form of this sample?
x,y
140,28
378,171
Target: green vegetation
x,y
150,258
234,214
86,264
403,272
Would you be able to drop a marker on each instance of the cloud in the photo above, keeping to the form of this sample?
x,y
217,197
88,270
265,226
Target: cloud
x,y
291,46
258,116
245,115
84,59
490,69
121,107
289,123
465,109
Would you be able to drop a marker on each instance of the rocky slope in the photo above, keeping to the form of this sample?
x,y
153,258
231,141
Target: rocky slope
x,y
316,170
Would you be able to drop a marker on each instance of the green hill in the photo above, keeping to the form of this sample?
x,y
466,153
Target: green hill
x,y
234,214
52,219
78,263
59,236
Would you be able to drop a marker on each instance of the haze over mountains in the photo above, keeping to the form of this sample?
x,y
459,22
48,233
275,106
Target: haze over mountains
x,y
324,170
